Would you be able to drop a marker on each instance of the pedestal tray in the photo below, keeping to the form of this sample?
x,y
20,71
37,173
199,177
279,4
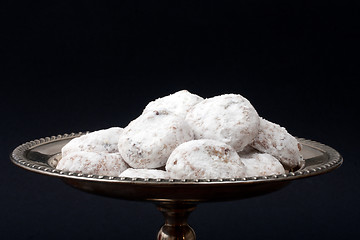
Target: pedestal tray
x,y
175,198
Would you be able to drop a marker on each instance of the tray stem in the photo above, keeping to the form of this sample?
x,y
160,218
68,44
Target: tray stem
x,y
176,226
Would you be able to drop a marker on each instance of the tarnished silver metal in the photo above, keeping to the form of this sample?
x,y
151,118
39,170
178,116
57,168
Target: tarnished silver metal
x,y
175,198
176,226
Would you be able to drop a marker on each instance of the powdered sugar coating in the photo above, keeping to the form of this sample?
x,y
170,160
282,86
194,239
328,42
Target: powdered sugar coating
x,y
179,103
99,163
261,164
228,118
144,173
275,140
105,140
204,158
148,141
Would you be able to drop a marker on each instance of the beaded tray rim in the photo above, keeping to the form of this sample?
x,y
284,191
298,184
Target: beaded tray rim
x,y
18,157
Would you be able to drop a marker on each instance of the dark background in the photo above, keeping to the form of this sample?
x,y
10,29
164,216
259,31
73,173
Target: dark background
x,y
69,66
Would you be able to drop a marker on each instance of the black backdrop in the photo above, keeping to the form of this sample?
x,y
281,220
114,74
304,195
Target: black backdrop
x,y
69,66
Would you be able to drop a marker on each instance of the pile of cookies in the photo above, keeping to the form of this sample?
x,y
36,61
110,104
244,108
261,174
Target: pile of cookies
x,y
183,136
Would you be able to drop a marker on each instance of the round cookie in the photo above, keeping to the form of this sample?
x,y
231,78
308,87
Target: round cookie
x,y
204,158
105,140
228,118
144,173
261,164
148,141
275,140
98,163
179,103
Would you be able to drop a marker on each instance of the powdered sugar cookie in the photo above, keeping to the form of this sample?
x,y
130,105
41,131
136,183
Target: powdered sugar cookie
x,y
227,118
178,103
261,164
275,140
204,158
105,140
148,141
98,163
144,173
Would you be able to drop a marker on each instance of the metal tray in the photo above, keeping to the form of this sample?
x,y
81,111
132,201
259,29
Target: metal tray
x,y
176,198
